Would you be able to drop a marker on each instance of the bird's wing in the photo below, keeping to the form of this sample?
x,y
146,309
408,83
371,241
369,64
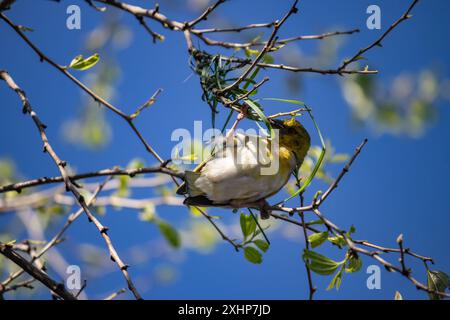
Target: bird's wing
x,y
234,173
237,176
221,147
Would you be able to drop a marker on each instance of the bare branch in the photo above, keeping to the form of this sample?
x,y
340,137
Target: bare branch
x,y
377,42
36,273
235,45
346,168
115,294
236,29
312,289
376,255
100,173
299,69
204,15
155,35
57,238
266,48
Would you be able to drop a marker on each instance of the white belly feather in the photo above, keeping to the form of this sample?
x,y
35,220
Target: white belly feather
x,y
238,179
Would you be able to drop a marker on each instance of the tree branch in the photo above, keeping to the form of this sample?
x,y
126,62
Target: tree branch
x,y
36,273
19,186
377,42
58,236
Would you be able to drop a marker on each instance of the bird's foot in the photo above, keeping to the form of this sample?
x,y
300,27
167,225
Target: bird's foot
x,y
264,209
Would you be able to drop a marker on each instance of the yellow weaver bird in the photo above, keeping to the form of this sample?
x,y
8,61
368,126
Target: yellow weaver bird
x,y
234,176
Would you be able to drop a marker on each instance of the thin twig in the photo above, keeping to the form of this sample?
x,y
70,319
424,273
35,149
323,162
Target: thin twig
x,y
312,289
36,273
23,284
376,255
248,93
405,270
377,42
147,104
255,43
288,113
19,186
204,15
346,168
291,39
114,295
235,29
267,47
155,35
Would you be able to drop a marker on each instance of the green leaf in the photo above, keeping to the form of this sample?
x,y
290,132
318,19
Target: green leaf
x,y
340,157
268,59
276,48
248,225
398,296
170,233
338,240
437,281
336,281
79,63
262,245
351,231
252,255
251,79
296,102
354,264
315,222
10,243
100,210
136,163
319,263
122,190
149,213
251,52
316,239
56,210
261,115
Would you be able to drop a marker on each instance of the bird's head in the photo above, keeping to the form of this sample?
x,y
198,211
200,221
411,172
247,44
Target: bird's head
x,y
293,136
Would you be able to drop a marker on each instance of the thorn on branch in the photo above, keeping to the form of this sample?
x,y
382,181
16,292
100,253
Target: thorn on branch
x,y
104,230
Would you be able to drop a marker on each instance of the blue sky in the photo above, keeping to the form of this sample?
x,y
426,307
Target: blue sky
x,y
398,184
